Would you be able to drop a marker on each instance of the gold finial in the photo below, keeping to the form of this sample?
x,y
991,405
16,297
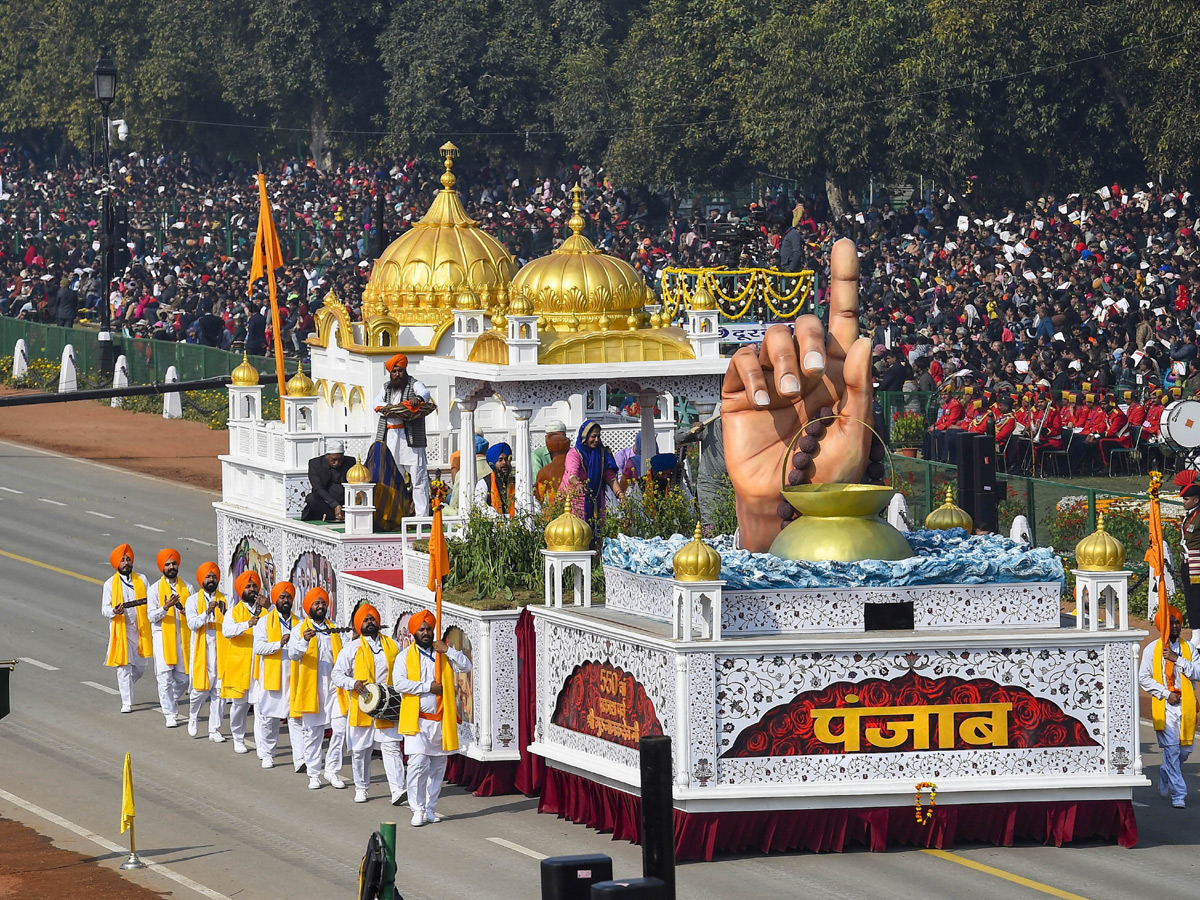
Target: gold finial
x,y
1100,551
245,375
568,533
949,516
703,298
577,221
300,385
358,474
449,153
697,561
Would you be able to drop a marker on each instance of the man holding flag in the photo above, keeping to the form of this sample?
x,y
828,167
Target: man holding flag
x,y
1168,669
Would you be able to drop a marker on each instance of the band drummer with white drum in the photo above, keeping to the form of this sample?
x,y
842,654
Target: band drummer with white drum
x,y
362,664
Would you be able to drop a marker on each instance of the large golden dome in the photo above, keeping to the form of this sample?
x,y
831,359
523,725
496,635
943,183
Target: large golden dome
x,y
420,275
577,285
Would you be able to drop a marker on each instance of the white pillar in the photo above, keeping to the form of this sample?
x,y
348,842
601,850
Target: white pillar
x,y
521,458
172,404
120,379
466,457
649,442
683,740
68,380
20,358
483,663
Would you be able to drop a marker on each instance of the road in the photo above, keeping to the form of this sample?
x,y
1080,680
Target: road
x,y
240,831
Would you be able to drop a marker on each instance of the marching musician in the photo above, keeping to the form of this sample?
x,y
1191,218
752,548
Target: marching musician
x,y
270,689
172,642
428,713
364,661
130,642
315,699
1167,671
238,628
205,612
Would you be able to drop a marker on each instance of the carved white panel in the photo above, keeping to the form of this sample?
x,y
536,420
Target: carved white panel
x,y
1120,715
504,684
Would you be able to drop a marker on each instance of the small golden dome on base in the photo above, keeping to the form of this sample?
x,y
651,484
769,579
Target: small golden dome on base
x,y
245,375
703,298
358,474
1100,551
300,385
949,516
568,534
696,561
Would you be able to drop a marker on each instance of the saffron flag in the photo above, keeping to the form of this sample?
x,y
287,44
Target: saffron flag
x,y
1157,563
127,796
268,256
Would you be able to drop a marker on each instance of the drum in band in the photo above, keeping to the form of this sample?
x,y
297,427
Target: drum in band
x,y
380,701
1181,424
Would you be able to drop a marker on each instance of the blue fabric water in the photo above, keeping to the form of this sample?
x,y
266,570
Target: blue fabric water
x,y
942,557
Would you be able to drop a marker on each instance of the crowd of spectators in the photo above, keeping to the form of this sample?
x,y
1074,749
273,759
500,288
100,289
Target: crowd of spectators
x,y
1097,286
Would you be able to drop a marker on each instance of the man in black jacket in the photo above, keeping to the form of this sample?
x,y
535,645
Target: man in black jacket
x,y
327,475
66,305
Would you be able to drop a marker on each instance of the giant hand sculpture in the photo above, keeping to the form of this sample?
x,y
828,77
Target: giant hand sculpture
x,y
770,394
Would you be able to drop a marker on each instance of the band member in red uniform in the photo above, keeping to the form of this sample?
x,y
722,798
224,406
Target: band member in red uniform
x,y
1154,411
1047,425
978,422
1116,433
1006,424
951,418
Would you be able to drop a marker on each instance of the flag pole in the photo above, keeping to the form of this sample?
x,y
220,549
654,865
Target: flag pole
x,y
133,862
127,814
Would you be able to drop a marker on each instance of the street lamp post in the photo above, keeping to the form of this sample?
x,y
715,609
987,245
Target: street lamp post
x,y
105,78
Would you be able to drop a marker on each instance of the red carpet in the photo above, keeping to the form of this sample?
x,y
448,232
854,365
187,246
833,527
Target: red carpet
x,y
390,577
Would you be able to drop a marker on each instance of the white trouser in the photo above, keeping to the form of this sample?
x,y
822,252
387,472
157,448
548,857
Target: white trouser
x,y
127,676
172,685
362,744
425,775
266,737
314,737
237,717
216,707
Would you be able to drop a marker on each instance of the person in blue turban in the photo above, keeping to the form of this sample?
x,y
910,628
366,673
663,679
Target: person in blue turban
x,y
496,494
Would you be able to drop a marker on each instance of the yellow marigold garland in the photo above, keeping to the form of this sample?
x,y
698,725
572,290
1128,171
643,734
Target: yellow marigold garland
x,y
925,815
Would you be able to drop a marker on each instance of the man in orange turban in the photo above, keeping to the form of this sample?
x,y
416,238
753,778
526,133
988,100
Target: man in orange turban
x,y
315,700
271,691
206,610
130,642
402,404
425,675
168,623
1169,666
237,628
368,660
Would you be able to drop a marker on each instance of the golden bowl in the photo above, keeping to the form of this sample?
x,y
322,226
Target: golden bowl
x,y
839,523
825,500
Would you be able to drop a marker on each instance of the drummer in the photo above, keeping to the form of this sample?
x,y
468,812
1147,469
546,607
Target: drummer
x,y
368,660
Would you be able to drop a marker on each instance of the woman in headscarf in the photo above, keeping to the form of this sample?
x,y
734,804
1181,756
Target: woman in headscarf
x,y
589,467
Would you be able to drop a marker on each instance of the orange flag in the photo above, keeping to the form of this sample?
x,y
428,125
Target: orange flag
x,y
439,562
268,256
1157,562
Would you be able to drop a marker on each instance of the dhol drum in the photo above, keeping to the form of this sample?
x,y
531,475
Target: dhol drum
x,y
1181,425
380,701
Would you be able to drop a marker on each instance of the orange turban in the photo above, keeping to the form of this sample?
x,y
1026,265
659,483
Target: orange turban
x,y
1174,613
165,556
280,588
417,619
312,596
115,556
239,584
398,360
205,569
361,613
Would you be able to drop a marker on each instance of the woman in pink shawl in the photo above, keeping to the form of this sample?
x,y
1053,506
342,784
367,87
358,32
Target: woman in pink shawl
x,y
589,468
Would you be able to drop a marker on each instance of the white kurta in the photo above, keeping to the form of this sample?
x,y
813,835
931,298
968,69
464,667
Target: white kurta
x,y
1156,687
198,619
269,703
157,612
343,677
428,739
327,701
403,454
131,632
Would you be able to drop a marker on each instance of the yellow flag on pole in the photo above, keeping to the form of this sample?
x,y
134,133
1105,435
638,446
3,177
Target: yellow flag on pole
x,y
127,796
268,256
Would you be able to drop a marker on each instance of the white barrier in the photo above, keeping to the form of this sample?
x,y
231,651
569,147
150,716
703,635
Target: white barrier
x,y
20,359
120,380
68,379
172,403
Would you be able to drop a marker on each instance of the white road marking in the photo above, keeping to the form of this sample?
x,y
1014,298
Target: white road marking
x,y
1142,805
109,845
10,490
147,527
38,663
198,541
517,847
55,502
92,512
101,687
89,462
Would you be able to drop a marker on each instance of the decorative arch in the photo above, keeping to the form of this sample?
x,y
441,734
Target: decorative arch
x,y
326,317
616,347
356,393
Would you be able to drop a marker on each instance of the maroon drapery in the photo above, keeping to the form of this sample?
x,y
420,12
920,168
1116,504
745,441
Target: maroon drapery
x,y
531,768
703,835
483,779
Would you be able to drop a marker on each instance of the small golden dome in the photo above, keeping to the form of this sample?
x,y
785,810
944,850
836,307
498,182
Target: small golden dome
x,y
358,474
655,320
605,323
543,323
520,305
467,300
1100,551
949,516
633,321
300,385
568,533
703,299
578,280
245,375
696,561
499,322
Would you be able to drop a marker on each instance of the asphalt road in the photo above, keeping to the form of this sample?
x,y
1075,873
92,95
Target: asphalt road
x,y
222,821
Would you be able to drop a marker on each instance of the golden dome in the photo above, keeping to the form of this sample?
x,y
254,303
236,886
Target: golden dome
x,y
568,533
300,385
358,474
441,255
520,306
696,561
1100,551
949,516
499,322
578,280
467,300
703,299
245,375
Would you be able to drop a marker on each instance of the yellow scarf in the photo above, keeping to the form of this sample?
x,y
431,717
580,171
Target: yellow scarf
x,y
364,671
410,706
171,622
118,635
1187,700
304,696
272,665
239,665
200,643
